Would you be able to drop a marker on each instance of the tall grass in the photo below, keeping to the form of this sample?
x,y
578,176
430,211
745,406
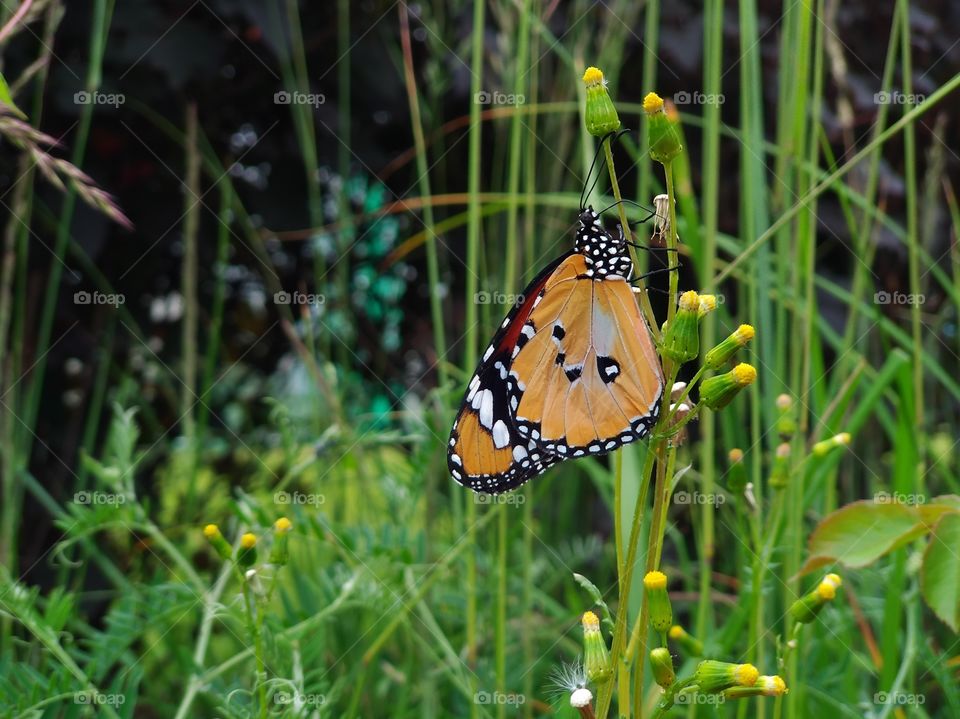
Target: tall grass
x,y
403,594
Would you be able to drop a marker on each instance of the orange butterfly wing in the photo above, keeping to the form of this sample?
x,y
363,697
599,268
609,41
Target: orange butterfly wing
x,y
588,380
485,452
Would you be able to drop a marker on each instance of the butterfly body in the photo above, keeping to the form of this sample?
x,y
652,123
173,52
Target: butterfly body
x,y
571,372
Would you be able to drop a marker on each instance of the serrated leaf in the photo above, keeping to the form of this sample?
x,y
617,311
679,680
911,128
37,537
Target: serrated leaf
x,y
940,576
858,534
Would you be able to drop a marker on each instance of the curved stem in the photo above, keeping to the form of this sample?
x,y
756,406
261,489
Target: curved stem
x,y
645,306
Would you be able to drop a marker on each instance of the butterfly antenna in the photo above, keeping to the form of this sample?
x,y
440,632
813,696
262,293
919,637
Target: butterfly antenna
x,y
645,275
653,213
587,191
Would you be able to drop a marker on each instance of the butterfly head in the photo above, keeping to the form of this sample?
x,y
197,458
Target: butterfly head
x,y
589,219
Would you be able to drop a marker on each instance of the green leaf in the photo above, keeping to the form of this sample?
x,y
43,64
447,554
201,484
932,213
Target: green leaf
x,y
861,532
7,99
597,597
940,577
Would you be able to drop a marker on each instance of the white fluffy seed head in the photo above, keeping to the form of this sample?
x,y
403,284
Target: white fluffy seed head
x,y
581,698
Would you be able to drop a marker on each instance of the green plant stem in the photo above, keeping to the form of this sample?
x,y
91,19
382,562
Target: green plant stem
x,y
644,300
625,579
254,615
423,175
211,601
670,696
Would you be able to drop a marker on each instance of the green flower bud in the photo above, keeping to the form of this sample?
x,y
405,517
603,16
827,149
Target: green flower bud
x,y
708,303
596,657
717,392
212,533
737,473
662,664
661,612
765,686
280,552
786,424
822,449
601,115
681,339
780,474
806,609
724,352
713,676
662,136
690,644
247,553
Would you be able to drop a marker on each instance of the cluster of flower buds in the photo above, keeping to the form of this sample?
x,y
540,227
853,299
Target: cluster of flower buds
x,y
246,553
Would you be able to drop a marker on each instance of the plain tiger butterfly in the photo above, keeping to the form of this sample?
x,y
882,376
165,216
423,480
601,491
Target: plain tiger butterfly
x,y
571,372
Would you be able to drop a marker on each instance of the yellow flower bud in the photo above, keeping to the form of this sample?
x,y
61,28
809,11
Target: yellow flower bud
x,y
601,115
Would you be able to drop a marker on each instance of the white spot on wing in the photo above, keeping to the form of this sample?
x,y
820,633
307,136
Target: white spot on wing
x,y
486,408
501,435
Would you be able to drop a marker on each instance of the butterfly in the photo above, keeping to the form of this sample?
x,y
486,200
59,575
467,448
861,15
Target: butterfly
x,y
571,372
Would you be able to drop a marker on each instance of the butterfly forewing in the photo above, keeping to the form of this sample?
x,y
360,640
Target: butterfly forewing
x,y
485,451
